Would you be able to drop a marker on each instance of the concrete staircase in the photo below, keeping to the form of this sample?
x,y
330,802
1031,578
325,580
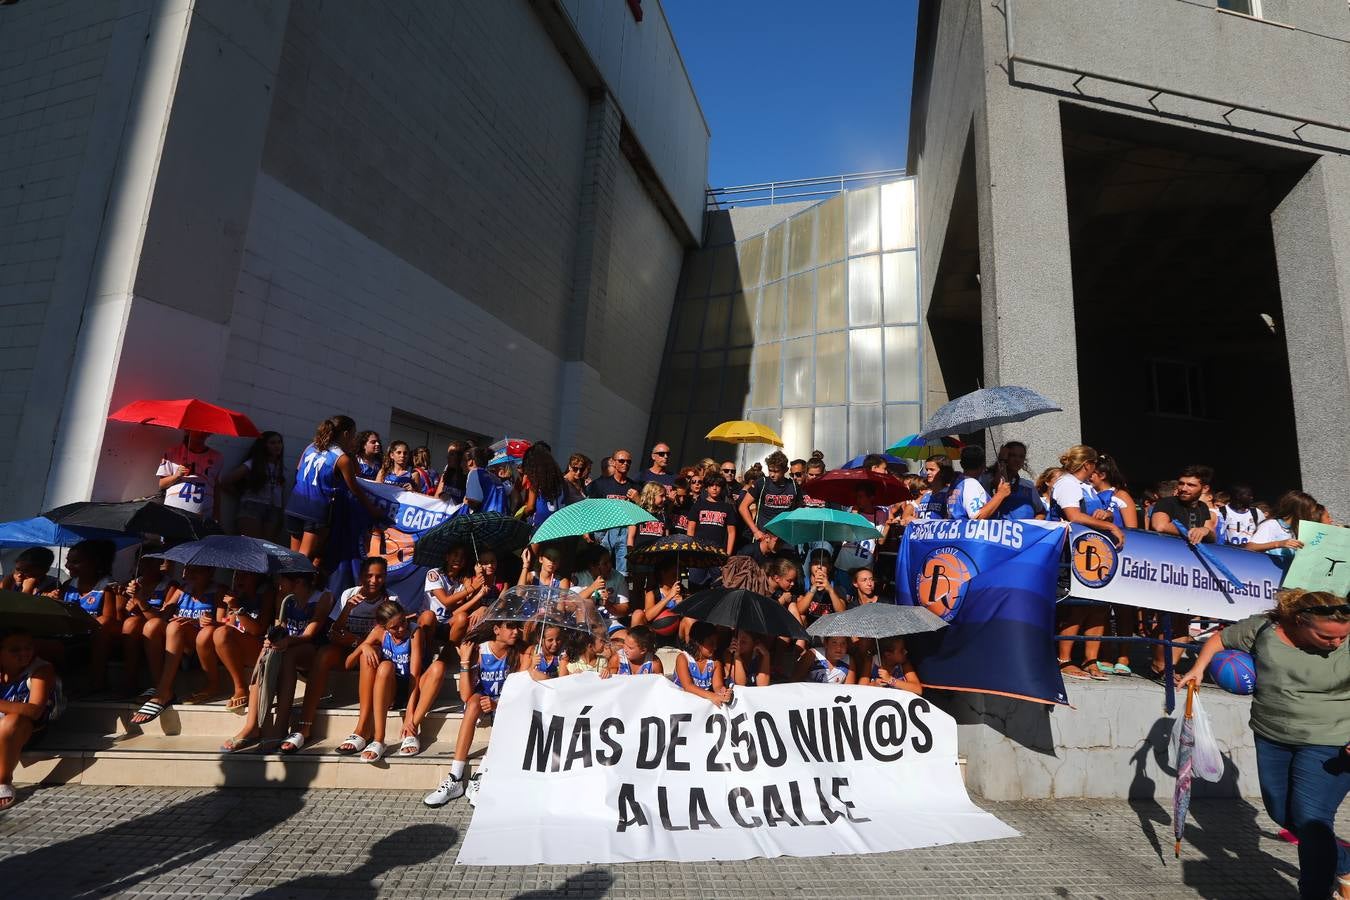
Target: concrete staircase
x,y
94,742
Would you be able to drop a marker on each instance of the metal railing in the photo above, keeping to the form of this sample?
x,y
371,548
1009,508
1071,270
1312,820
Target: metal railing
x,y
770,192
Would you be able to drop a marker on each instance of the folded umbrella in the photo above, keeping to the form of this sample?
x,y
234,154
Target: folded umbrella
x,y
814,523
688,551
189,415
134,517
1181,795
590,516
239,553
876,621
739,431
43,616
915,446
500,533
741,609
986,408
43,532
841,486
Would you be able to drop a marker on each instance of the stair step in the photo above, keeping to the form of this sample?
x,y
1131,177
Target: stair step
x,y
197,761
214,720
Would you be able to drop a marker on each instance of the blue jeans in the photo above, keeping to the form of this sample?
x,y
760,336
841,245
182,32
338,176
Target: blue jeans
x,y
616,541
1302,786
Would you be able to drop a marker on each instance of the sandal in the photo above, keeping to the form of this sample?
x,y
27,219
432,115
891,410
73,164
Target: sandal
x,y
373,753
200,697
353,744
294,742
1091,668
237,704
7,796
1069,670
234,745
1122,669
150,711
411,746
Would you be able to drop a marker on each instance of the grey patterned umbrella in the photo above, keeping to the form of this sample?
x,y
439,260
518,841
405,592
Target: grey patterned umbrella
x,y
876,621
986,408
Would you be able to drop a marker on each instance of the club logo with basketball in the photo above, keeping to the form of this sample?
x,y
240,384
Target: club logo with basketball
x,y
1094,559
941,583
394,546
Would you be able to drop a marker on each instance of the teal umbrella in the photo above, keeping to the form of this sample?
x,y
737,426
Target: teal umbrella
x,y
801,526
589,516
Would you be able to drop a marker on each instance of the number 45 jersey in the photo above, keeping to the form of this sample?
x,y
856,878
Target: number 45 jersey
x,y
196,492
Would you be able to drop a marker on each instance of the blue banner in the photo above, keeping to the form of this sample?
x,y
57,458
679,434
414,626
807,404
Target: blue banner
x,y
353,537
993,582
1164,572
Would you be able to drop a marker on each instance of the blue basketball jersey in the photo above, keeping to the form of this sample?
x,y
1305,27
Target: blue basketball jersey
x,y
702,678
160,591
316,483
825,672
547,666
191,607
404,481
626,668
90,601
295,615
399,652
492,671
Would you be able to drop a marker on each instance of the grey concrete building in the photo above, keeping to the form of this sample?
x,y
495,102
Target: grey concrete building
x,y
439,218
1143,210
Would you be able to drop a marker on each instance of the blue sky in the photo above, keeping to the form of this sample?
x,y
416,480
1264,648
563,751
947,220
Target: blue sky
x,y
799,88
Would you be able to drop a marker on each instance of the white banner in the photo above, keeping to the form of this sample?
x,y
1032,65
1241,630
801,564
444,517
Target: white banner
x,y
631,768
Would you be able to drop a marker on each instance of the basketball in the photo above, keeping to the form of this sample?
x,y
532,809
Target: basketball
x,y
1234,671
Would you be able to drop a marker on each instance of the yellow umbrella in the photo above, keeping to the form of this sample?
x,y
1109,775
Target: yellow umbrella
x,y
743,432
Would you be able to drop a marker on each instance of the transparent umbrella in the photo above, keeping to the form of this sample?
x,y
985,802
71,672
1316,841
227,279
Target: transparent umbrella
x,y
546,606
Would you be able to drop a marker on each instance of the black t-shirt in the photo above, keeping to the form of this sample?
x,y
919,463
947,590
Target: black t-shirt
x,y
774,499
1193,515
609,489
711,519
650,532
665,479
677,518
759,556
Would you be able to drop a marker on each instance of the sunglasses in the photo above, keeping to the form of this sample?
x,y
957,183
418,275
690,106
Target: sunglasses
x,y
660,453
695,480
577,469
798,474
620,462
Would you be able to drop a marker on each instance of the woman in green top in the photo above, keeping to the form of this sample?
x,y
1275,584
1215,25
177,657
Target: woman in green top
x,y
1301,721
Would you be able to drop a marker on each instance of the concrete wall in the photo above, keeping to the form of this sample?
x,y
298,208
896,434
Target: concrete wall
x,y
642,66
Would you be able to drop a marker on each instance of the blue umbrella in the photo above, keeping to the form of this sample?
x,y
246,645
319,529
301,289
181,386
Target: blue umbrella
x,y
41,532
986,408
857,461
242,554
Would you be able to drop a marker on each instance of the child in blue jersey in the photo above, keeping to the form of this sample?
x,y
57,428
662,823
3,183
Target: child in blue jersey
x,y
543,661
28,692
890,666
750,663
325,467
249,609
542,568
700,673
833,663
304,614
369,454
193,615
483,668
638,654
90,588
391,662
397,468
32,573
142,603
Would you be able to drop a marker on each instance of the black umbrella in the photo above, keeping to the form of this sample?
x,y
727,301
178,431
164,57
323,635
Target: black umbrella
x,y
687,550
504,534
746,610
242,554
134,517
43,616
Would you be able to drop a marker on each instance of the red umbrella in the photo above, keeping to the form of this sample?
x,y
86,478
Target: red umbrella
x,y
189,415
840,487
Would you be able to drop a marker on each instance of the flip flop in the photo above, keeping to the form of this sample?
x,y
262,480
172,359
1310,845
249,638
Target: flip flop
x,y
1122,669
295,740
7,797
238,705
234,745
151,709
1065,665
373,753
411,746
355,742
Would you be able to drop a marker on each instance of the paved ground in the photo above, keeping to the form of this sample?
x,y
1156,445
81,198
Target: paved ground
x,y
78,841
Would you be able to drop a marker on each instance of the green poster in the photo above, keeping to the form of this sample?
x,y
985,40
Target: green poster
x,y
1324,562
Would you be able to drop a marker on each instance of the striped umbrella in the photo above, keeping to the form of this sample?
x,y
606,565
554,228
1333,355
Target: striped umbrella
x,y
914,446
590,516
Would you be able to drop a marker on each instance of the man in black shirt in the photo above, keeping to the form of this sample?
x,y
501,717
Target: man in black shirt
x,y
660,470
1185,507
616,487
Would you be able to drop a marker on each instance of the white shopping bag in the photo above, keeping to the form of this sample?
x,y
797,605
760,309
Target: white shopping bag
x,y
1206,759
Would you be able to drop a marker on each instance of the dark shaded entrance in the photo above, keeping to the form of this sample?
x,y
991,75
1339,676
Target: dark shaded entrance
x,y
1181,349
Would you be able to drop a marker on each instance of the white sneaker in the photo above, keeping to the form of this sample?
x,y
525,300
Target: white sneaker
x,y
450,788
472,788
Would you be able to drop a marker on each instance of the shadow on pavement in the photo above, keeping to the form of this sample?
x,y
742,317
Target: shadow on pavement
x,y
405,847
589,885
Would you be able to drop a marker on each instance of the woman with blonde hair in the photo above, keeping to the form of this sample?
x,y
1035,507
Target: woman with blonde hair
x,y
653,500
1299,722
